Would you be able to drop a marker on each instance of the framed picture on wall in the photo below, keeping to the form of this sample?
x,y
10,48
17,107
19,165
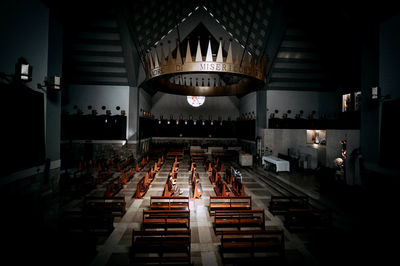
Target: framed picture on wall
x,y
346,102
316,136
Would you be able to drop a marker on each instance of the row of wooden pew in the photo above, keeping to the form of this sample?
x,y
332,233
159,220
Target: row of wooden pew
x,y
171,188
234,183
96,217
175,153
194,180
242,231
216,165
102,171
144,183
220,187
165,237
96,213
228,185
298,213
117,183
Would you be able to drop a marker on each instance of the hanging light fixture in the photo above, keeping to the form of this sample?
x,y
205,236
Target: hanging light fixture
x,y
232,76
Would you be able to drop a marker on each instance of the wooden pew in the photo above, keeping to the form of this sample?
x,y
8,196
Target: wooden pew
x,y
167,246
258,245
197,190
192,166
238,219
156,167
197,155
83,223
214,177
237,187
113,188
175,167
175,155
143,185
141,189
230,155
194,177
209,168
169,203
115,206
306,218
229,203
156,152
99,225
281,204
220,188
166,219
298,213
229,177
130,174
142,163
169,188
219,167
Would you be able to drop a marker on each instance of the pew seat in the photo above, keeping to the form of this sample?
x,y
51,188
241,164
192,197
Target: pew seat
x,y
169,203
238,220
229,203
197,190
281,204
166,219
172,247
255,245
106,206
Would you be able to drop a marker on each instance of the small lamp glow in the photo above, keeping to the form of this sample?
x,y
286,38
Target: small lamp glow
x,y
23,71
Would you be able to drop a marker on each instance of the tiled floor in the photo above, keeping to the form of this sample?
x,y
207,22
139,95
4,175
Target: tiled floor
x,y
301,248
205,244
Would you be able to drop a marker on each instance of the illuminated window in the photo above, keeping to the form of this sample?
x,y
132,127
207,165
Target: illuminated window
x,y
196,101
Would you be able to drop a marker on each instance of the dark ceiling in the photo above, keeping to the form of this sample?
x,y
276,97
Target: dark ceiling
x,y
311,45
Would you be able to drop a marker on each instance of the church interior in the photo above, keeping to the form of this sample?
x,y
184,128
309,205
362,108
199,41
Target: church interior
x,y
199,132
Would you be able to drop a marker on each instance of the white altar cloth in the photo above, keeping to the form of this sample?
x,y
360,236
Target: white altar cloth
x,y
281,165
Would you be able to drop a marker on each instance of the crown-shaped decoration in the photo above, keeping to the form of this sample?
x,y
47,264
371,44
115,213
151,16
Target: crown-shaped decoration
x,y
204,75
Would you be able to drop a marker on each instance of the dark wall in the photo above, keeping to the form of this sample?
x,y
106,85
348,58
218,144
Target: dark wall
x,y
24,26
53,104
389,81
369,127
243,129
22,128
389,57
380,62
93,127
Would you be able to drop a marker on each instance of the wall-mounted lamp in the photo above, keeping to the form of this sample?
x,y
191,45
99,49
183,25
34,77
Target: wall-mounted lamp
x,y
23,71
376,94
51,83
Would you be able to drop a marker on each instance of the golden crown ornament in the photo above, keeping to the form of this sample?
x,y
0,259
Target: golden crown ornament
x,y
186,75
